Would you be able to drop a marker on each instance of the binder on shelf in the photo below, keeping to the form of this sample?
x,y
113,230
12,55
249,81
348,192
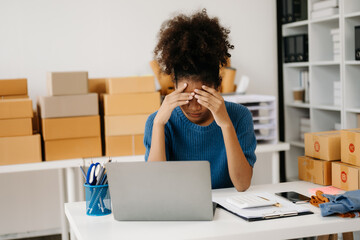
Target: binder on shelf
x,y
283,208
289,47
357,43
293,10
301,43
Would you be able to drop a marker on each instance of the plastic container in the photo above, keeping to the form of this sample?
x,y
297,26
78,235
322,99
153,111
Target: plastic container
x,y
98,202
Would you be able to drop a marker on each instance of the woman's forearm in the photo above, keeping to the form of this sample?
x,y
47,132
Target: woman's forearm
x,y
240,170
157,150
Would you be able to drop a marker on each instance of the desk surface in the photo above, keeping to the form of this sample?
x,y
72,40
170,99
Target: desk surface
x,y
224,226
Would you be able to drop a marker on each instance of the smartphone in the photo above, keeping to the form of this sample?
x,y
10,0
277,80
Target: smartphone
x,y
294,197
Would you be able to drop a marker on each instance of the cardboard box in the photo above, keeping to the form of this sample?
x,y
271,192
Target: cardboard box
x,y
118,146
350,146
138,84
139,148
97,85
69,106
345,176
19,150
13,87
314,170
67,83
72,148
16,108
74,127
323,145
16,127
125,125
165,80
132,103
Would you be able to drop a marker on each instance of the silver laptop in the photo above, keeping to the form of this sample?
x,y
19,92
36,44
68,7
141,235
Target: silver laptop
x,y
160,191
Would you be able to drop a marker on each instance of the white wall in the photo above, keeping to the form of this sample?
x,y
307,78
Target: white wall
x,y
113,38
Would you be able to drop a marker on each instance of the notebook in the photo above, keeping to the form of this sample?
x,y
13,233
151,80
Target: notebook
x,y
282,208
160,191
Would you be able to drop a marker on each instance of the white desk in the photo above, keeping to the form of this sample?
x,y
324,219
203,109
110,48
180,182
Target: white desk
x,y
224,226
69,166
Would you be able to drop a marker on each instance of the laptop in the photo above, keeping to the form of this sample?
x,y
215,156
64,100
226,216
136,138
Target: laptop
x,y
160,191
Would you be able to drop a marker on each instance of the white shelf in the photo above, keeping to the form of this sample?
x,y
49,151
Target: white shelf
x,y
295,24
298,143
352,62
353,110
296,65
325,63
298,105
325,19
327,107
323,73
351,15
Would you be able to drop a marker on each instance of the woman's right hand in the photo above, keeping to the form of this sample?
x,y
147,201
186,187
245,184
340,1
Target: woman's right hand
x,y
171,101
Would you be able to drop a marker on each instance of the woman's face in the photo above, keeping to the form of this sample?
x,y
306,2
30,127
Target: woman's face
x,y
194,111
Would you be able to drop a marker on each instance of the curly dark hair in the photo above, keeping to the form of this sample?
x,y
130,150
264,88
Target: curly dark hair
x,y
193,46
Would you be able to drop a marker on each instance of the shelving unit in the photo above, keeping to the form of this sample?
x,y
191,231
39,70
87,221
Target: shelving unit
x,y
323,72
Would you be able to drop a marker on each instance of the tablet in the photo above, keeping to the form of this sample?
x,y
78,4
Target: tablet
x,y
294,197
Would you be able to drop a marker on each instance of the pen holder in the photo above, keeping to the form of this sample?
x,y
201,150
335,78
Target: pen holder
x,y
98,201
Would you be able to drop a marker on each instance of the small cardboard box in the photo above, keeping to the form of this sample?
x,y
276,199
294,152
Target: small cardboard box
x,y
19,150
314,170
97,85
350,146
15,108
67,83
139,144
73,127
323,145
118,146
132,103
138,84
16,127
13,87
72,148
124,145
345,176
125,125
68,106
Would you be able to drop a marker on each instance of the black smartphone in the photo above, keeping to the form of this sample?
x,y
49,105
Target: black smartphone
x,y
294,197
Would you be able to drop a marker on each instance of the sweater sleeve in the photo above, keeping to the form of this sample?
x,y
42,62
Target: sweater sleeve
x,y
246,135
148,136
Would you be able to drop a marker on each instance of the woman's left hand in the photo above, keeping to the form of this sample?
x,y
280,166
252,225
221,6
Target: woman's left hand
x,y
212,100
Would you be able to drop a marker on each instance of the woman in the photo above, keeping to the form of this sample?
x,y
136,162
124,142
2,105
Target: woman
x,y
194,122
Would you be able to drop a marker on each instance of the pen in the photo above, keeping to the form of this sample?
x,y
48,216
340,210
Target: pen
x,y
83,172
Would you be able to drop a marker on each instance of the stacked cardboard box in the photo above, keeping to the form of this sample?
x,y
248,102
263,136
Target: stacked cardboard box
x,y
346,174
128,102
16,130
70,120
320,149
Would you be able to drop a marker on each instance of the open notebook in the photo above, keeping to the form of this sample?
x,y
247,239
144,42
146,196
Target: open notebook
x,y
281,208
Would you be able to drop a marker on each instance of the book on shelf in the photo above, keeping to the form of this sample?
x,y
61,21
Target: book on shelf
x,y
304,83
326,12
325,4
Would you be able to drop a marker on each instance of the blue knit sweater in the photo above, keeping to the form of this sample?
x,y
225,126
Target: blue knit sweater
x,y
185,140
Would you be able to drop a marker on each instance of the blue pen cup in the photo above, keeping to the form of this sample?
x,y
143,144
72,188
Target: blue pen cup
x,y
98,202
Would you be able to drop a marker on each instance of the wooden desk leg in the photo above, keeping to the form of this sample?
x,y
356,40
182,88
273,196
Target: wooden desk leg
x,y
275,162
64,226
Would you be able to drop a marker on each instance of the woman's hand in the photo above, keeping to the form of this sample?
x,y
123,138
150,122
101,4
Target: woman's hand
x,y
212,100
171,101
